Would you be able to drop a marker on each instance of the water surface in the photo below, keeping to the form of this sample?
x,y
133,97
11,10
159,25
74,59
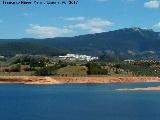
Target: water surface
x,y
78,102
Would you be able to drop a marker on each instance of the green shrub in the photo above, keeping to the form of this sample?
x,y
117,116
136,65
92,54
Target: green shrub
x,y
15,68
45,71
96,69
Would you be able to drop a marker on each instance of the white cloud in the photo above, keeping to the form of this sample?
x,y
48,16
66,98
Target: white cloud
x,y
47,31
152,4
80,18
98,22
157,26
96,30
95,25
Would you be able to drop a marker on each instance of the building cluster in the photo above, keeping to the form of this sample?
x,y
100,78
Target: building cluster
x,y
2,57
129,61
74,57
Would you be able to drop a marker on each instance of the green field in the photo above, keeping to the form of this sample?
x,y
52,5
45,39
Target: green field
x,y
72,71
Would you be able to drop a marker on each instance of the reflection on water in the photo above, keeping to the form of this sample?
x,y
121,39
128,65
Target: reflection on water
x,y
77,102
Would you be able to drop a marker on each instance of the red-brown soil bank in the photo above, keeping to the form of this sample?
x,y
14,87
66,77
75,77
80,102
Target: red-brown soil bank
x,y
69,80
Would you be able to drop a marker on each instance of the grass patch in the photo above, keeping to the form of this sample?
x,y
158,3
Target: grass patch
x,y
72,71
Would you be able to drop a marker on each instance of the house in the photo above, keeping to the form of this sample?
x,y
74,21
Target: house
x,y
74,57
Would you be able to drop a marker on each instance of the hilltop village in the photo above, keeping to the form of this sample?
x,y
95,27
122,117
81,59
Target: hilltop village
x,y
76,65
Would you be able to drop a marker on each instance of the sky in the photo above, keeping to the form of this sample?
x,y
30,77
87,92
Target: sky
x,y
85,17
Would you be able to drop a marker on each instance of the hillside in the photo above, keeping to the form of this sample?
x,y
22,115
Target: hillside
x,y
10,49
132,42
127,42
119,40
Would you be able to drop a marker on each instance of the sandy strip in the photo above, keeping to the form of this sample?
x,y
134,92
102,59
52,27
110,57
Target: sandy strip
x,y
140,89
72,80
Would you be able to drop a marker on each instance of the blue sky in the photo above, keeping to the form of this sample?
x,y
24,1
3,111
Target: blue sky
x,y
86,17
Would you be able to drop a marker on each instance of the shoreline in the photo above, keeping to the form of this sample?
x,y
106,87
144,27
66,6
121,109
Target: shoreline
x,y
74,80
140,89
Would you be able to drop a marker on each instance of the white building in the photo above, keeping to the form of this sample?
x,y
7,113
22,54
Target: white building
x,y
2,57
128,60
74,57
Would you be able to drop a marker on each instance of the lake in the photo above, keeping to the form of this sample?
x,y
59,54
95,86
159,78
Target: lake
x,y
78,102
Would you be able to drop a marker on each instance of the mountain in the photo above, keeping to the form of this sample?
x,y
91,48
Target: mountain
x,y
124,42
11,48
128,42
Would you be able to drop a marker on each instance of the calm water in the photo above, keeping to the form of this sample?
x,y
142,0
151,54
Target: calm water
x,y
78,102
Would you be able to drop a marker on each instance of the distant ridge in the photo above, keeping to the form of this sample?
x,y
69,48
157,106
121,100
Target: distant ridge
x,y
129,42
10,49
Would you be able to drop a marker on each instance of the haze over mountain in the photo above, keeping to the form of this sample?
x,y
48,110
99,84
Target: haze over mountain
x,y
130,42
